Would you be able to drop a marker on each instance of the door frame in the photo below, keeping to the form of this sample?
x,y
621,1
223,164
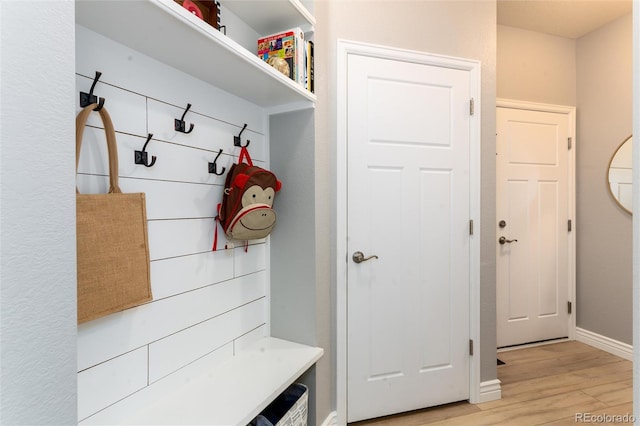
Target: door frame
x,y
344,49
571,171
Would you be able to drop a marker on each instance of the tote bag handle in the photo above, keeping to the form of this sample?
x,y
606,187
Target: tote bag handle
x,y
112,148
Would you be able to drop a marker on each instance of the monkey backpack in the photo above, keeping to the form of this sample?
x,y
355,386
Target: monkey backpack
x,y
246,212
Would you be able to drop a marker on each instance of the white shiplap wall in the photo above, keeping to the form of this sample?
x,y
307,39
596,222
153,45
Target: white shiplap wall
x,y
204,302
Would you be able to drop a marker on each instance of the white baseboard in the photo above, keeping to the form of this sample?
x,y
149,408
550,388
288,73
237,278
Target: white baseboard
x,y
615,347
331,420
490,390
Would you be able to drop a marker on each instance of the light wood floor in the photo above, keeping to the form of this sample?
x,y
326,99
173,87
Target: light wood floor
x,y
543,385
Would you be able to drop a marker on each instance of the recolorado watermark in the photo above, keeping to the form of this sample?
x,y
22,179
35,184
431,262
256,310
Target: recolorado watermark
x,y
604,418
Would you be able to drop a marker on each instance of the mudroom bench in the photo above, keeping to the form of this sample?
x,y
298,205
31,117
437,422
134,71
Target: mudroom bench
x,y
232,392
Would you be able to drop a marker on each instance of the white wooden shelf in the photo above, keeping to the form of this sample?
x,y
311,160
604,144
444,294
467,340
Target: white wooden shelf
x,y
165,31
268,17
232,393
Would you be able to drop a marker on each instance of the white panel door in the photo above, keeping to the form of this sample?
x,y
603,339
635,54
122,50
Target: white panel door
x,y
532,213
409,205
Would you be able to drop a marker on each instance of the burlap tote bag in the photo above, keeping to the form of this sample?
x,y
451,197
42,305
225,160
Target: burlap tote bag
x,y
113,251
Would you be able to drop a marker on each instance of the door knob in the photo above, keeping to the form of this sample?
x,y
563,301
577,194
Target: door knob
x,y
503,240
358,257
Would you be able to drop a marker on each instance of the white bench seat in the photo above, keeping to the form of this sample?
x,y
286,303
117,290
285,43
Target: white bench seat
x,y
232,393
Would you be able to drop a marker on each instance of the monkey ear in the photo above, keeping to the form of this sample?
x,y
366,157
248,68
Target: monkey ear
x,y
278,185
241,180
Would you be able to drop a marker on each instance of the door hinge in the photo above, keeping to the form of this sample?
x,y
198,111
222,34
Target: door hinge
x,y
471,227
569,307
470,347
569,140
569,225
471,106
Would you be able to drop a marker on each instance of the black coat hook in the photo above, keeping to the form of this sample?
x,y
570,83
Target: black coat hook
x,y
140,157
87,99
213,167
236,139
180,125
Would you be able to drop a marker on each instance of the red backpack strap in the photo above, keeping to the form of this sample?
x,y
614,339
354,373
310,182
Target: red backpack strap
x,y
215,233
244,155
215,237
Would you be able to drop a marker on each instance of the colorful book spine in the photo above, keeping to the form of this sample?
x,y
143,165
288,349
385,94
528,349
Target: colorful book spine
x,y
285,52
310,83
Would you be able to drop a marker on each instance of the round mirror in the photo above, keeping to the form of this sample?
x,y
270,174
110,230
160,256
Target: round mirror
x,y
620,175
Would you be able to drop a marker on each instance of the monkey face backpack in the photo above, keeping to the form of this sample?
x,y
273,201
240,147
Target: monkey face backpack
x,y
246,212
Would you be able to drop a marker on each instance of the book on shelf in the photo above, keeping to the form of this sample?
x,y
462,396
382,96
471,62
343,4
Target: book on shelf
x,y
285,51
309,83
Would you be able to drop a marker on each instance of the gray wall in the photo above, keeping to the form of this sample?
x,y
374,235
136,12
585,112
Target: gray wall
x,y
592,73
604,238
535,67
464,29
38,243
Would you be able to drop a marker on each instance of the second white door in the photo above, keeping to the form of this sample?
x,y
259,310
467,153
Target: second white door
x,y
533,229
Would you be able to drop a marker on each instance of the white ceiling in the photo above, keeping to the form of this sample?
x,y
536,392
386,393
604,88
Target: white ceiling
x,y
564,18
